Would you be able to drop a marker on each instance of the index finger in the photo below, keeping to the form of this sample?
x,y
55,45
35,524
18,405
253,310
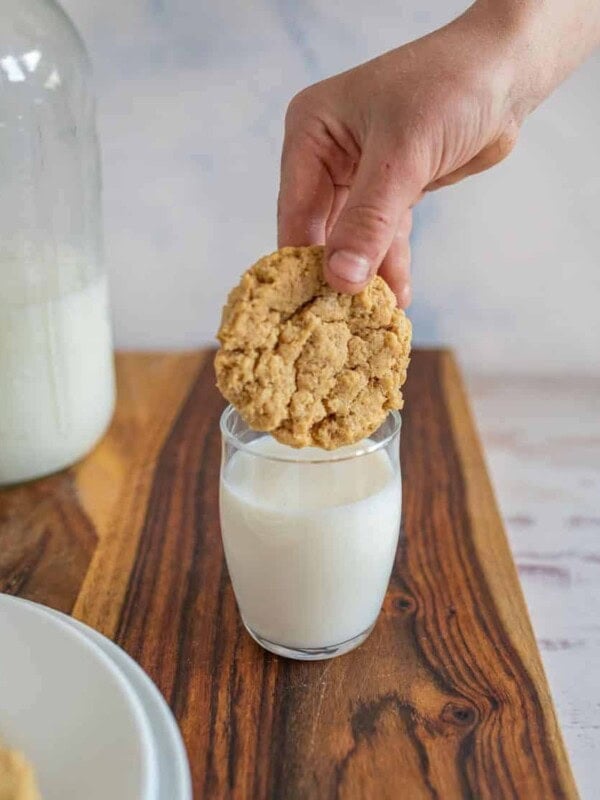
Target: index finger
x,y
306,196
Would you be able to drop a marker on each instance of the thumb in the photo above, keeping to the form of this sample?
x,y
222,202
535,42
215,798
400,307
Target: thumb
x,y
382,191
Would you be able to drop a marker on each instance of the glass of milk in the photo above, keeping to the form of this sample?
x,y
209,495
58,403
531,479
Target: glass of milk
x,y
310,536
57,388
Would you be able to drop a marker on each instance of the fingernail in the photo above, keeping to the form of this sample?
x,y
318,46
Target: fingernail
x,y
349,266
405,296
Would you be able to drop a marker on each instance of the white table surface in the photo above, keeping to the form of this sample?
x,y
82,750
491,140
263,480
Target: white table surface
x,y
542,442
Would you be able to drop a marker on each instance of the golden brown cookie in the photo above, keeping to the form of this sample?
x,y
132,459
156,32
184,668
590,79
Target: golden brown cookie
x,y
17,781
310,365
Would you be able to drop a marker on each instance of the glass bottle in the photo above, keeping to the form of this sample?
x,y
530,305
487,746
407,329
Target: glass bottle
x,y
56,362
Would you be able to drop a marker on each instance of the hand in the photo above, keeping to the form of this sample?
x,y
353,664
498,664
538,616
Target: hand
x,y
361,148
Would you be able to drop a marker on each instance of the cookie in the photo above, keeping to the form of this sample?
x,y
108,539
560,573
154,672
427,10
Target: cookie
x,y
17,781
308,364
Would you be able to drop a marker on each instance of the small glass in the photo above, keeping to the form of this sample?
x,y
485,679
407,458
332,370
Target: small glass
x,y
310,536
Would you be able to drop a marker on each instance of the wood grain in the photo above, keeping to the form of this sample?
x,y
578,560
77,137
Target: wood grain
x,y
447,699
115,483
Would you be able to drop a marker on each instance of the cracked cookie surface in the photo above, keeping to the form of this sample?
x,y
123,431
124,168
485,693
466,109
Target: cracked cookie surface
x,y
310,365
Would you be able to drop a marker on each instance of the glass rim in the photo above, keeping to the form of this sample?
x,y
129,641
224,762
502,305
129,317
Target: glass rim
x,y
246,447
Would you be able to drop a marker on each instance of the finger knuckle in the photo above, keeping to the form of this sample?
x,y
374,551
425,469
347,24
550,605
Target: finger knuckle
x,y
300,105
507,141
368,220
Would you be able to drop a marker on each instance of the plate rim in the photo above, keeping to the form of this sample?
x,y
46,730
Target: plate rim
x,y
167,716
147,739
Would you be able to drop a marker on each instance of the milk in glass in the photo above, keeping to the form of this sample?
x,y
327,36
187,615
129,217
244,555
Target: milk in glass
x,y
310,539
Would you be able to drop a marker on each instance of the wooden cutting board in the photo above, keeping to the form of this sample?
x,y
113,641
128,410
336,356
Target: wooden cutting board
x,y
447,698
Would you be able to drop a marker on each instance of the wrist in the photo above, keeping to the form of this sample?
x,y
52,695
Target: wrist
x,y
540,42
515,28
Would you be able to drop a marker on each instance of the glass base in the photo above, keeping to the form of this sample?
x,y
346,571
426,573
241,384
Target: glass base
x,y
310,653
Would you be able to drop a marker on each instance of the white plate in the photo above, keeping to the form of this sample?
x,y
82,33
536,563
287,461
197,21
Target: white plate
x,y
173,769
66,704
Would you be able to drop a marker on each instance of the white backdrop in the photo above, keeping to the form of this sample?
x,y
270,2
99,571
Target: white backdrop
x,y
191,100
